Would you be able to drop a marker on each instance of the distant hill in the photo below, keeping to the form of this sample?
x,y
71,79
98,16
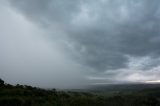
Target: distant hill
x,y
133,87
24,95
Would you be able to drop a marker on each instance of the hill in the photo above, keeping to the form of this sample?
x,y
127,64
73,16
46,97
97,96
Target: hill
x,y
24,95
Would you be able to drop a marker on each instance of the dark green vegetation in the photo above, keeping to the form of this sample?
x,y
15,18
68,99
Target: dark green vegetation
x,y
23,95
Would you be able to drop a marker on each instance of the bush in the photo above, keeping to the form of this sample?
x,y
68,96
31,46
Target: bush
x,y
1,82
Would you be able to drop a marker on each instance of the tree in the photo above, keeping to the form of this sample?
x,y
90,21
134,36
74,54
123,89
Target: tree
x,y
1,82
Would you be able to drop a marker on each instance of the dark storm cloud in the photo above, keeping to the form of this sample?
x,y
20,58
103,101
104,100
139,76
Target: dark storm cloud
x,y
101,33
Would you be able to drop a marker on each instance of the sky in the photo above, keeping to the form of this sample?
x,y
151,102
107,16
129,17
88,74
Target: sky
x,y
75,43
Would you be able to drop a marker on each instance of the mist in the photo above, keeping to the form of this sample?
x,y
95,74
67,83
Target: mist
x,y
73,44
29,57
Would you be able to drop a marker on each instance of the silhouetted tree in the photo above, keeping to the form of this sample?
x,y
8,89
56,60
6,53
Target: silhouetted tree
x,y
1,82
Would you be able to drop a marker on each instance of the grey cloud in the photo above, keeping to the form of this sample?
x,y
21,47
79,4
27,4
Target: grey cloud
x,y
28,57
101,32
47,12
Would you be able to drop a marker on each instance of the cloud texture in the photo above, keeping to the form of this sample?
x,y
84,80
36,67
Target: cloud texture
x,y
106,36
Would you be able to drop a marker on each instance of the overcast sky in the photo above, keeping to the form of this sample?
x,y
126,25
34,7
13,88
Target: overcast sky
x,y
74,43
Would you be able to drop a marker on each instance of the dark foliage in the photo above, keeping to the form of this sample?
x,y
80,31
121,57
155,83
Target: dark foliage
x,y
1,82
23,95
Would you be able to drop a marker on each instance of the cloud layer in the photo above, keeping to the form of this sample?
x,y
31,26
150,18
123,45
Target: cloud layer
x,y
102,35
28,57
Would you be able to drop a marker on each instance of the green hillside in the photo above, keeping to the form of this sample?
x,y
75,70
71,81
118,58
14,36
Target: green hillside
x,y
23,95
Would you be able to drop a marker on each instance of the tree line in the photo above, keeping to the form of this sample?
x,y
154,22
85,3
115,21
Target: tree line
x,y
24,95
